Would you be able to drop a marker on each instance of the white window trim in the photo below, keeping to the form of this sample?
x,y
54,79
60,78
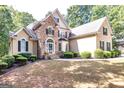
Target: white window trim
x,y
21,45
47,45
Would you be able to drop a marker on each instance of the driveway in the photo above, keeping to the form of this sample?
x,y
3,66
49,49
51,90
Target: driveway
x,y
117,59
63,74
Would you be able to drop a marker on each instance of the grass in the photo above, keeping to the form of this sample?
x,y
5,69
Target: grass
x,y
64,74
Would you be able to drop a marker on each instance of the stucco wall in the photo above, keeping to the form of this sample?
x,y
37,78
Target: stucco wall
x,y
22,35
83,44
105,38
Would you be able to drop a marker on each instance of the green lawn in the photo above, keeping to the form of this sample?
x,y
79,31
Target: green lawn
x,y
64,74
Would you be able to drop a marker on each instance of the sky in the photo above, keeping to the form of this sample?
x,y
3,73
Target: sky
x,y
38,8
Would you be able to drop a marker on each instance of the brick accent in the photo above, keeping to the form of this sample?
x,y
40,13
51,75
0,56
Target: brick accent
x,y
42,36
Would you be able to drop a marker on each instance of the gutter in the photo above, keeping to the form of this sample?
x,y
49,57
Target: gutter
x,y
83,35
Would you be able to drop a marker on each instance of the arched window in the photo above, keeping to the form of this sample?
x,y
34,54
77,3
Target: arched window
x,y
50,45
22,45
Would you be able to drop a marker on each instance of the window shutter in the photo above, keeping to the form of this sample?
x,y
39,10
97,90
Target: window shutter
x,y
46,31
65,34
52,32
103,45
58,33
26,45
19,46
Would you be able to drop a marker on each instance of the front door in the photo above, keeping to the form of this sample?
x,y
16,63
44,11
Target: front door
x,y
50,46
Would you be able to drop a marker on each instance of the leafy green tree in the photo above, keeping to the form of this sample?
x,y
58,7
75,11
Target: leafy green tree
x,y
6,24
99,12
78,15
21,19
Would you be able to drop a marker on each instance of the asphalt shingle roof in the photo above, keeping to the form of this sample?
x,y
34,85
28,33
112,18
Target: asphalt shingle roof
x,y
88,28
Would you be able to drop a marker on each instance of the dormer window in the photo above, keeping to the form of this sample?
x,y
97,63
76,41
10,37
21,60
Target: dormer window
x,y
49,31
56,19
105,32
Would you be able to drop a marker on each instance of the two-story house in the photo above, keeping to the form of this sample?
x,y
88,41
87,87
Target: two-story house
x,y
52,35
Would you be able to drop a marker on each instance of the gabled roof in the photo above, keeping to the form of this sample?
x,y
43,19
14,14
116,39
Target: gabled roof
x,y
88,28
27,30
57,11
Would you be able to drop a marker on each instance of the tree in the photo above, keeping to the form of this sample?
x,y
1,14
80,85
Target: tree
x,y
99,12
21,19
78,15
6,24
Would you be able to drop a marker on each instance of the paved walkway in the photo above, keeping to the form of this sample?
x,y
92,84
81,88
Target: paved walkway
x,y
121,58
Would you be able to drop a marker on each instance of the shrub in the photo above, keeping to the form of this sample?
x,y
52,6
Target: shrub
x,y
99,53
16,56
68,55
22,60
9,60
27,55
107,54
3,65
33,58
115,53
86,54
76,54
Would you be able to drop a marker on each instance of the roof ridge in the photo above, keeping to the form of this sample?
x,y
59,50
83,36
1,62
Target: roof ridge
x,y
91,22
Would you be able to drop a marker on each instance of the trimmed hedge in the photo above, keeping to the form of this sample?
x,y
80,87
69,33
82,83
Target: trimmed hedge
x,y
99,53
3,65
76,54
9,60
86,54
27,55
107,54
33,58
22,60
68,55
16,56
115,53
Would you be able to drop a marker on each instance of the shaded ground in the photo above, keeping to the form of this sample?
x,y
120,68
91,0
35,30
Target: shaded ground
x,y
64,74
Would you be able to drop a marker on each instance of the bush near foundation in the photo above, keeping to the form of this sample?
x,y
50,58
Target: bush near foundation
x,y
76,54
68,54
107,54
3,65
33,58
9,60
99,53
22,60
86,54
27,55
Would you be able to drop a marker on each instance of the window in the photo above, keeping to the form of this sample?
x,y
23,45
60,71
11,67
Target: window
x,y
50,45
49,31
69,34
56,19
105,32
60,47
102,45
58,33
22,45
108,45
66,34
